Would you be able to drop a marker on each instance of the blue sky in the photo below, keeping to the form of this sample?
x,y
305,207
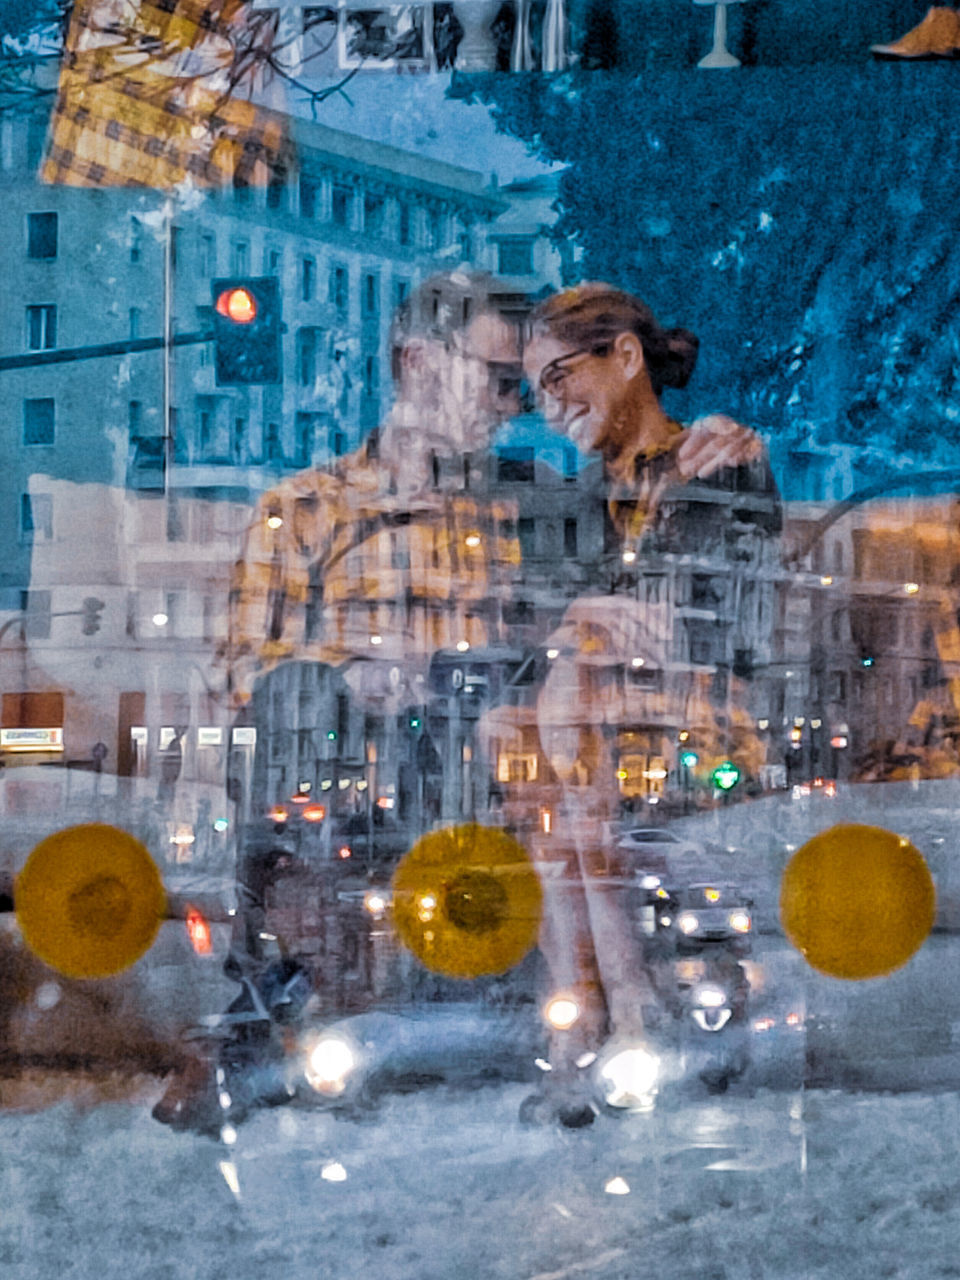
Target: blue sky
x,y
413,112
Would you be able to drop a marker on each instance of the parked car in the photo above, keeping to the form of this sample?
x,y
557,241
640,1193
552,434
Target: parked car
x,y
657,848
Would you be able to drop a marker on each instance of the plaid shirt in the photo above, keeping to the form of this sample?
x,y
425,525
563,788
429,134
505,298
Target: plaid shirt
x,y
149,96
338,566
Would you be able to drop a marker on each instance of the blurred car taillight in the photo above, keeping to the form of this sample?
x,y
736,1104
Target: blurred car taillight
x,y
198,931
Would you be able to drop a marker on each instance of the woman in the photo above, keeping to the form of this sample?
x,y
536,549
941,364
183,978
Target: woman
x,y
599,361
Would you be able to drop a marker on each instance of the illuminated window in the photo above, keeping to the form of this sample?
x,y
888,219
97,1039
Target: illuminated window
x,y
517,766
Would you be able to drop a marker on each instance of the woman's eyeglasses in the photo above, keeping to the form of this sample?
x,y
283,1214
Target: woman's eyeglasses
x,y
552,375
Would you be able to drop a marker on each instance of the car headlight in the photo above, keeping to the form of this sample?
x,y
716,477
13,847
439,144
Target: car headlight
x,y
687,922
710,997
561,1012
740,921
330,1061
627,1078
376,901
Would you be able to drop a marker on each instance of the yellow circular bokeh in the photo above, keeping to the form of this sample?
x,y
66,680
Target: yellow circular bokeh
x,y
467,901
89,900
857,901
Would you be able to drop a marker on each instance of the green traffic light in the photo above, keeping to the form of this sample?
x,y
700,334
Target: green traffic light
x,y
414,722
725,776
688,759
332,735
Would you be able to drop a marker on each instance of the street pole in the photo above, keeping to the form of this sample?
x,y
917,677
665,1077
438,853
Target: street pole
x,y
37,359
167,337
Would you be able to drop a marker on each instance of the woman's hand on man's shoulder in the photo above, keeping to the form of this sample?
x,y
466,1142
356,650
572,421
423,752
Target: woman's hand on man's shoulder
x,y
715,442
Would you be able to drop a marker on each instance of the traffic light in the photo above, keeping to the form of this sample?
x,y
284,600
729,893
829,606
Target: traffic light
x,y
92,608
688,759
725,776
246,331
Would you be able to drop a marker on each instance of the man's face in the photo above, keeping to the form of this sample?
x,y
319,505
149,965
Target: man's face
x,y
484,377
457,391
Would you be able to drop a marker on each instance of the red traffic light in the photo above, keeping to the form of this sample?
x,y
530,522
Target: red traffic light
x,y
246,330
238,305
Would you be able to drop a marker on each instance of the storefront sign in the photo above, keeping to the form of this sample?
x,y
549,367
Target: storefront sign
x,y
31,739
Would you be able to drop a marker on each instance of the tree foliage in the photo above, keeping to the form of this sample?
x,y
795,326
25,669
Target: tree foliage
x,y
801,222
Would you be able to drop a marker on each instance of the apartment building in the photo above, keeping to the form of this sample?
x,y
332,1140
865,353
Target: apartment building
x,y
129,480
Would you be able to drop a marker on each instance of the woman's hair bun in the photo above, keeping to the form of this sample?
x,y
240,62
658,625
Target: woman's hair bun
x,y
678,358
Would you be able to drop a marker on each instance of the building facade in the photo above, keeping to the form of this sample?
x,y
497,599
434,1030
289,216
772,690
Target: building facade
x,y
130,480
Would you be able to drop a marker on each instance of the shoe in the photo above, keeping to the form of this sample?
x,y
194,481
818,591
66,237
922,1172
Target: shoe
x,y
937,36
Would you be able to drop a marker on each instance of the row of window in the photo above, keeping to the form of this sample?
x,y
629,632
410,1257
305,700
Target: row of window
x,y
346,205
43,238
514,253
42,243
239,257
39,427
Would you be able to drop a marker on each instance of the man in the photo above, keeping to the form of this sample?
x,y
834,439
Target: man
x,y
352,579
364,590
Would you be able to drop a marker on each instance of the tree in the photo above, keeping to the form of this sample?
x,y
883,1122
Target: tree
x,y
34,31
801,222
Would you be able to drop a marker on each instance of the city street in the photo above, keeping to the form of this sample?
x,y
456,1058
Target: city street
x,y
796,1182
804,1184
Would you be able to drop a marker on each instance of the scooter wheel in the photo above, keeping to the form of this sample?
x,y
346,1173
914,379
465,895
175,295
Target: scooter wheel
x,y
571,1113
716,1084
576,1115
